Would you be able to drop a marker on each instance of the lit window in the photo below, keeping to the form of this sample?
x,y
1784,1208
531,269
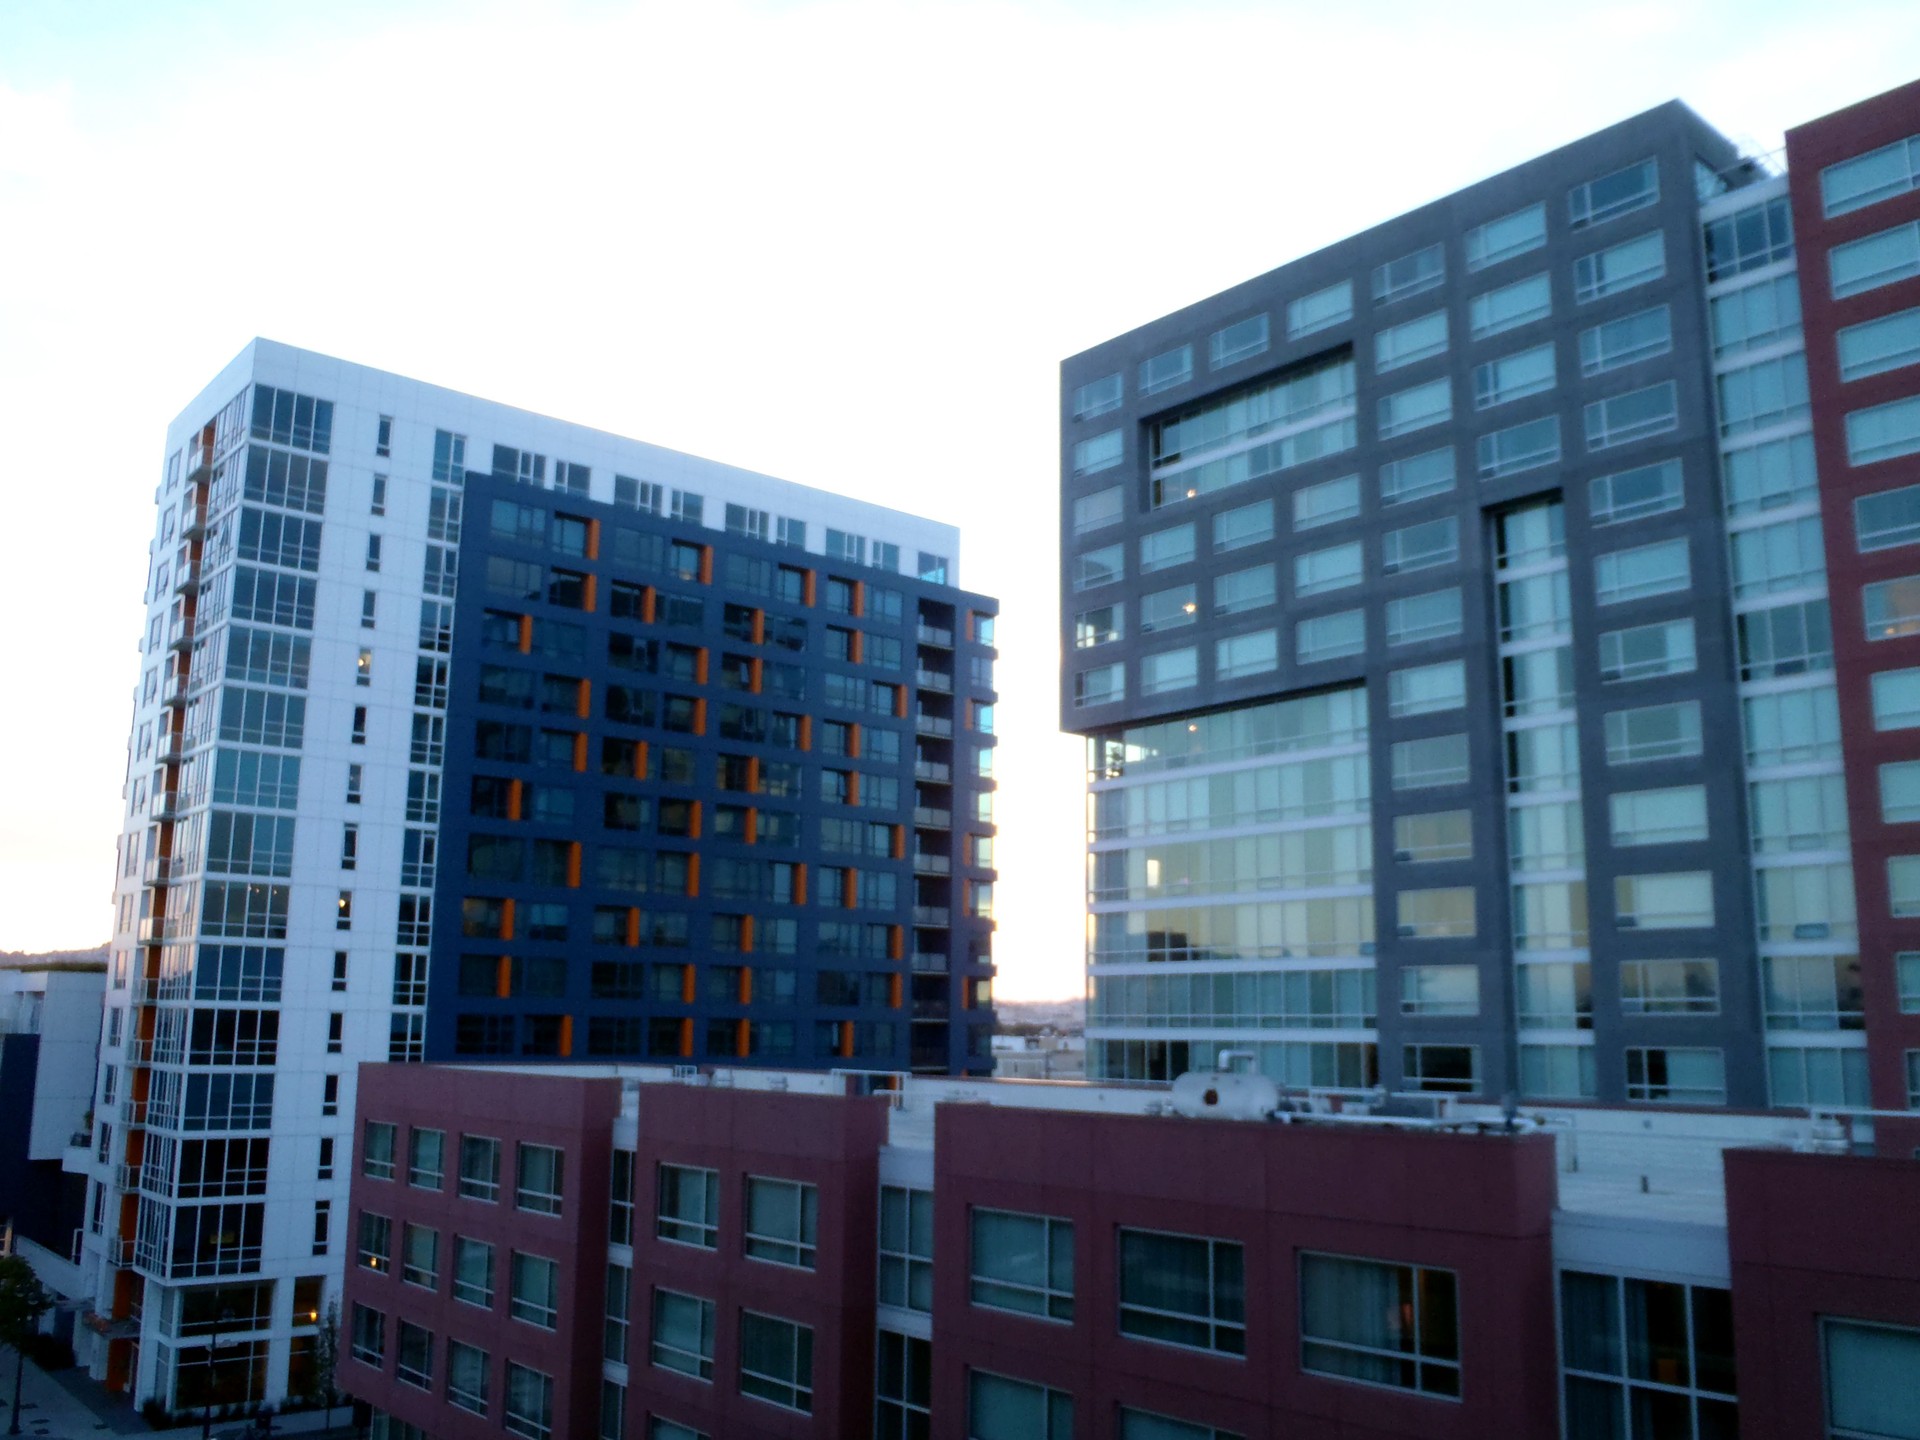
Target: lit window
x,y
1380,1323
1891,608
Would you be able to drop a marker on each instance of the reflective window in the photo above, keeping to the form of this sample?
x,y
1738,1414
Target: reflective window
x,y
1621,419
1416,477
1163,372
1416,408
1770,474
1637,493
1243,590
1875,260
1891,608
1763,314
1237,342
1506,237
1661,568
1097,397
1380,1323
1427,689
1665,648
1521,447
1884,432
1872,348
1250,654
1334,568
1633,188
1411,340
1420,547
1748,239
1659,817
1102,452
1870,178
1247,525
1328,637
1169,670
1620,267
1432,616
1510,306
1323,504
1626,341
1890,518
1320,310
1513,377
1767,392
1672,901
1413,274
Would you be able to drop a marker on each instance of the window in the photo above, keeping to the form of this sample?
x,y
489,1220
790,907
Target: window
x,y
1335,568
1760,315
1413,274
1875,260
902,1387
1635,494
906,1248
1320,311
1433,760
1420,547
1183,1290
1510,235
414,1364
1510,306
1022,1263
1908,966
1434,615
1561,1072
782,1220
1884,432
539,1179
1769,475
1440,1069
1786,555
1513,377
1098,626
1621,267
1237,342
1416,408
420,1256
1441,914
479,1168
1676,1076
375,1250
1242,590
1102,685
1656,1349
1409,341
369,1343
1896,699
1101,452
1441,835
1326,503
1248,525
378,1149
1622,419
1143,1425
467,1376
1626,341
1659,817
1526,446
1791,726
1166,548
529,1408
472,1271
1679,900
1880,345
1645,651
1380,1323
426,1150
1329,637
1439,990
1003,1409
1416,477
1788,640
689,1206
1169,670
1763,394
1868,179
1168,609
1427,689
1254,653
1101,508
1163,372
1647,570
1670,987
1903,886
1749,239
535,1295
683,1328
1866,1398
373,553
776,1361
1891,608
1887,519
1633,188
1093,568
1097,397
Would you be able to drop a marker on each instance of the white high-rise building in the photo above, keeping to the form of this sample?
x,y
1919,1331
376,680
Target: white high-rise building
x,y
276,866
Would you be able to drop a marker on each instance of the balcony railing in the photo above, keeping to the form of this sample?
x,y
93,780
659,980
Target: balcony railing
x,y
930,915
193,521
167,805
934,635
173,690
933,680
931,724
931,818
926,864
187,579
937,771
930,962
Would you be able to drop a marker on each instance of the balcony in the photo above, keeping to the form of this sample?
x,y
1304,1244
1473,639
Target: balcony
x,y
932,818
932,1009
187,580
167,805
172,748
925,864
133,1113
933,680
173,690
937,915
937,771
193,521
181,637
929,962
934,635
199,462
162,870
927,724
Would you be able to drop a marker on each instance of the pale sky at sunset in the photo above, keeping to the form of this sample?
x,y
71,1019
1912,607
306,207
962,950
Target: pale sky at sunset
x,y
846,243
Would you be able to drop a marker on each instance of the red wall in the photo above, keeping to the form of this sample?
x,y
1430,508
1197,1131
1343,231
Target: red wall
x,y
1810,148
1481,1206
1813,1235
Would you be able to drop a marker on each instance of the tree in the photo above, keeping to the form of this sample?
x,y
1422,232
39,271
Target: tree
x,y
23,1300
326,1361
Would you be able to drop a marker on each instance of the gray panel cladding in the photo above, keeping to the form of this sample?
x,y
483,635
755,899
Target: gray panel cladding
x,y
1676,138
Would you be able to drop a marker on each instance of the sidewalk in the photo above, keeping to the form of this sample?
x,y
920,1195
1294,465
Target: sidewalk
x,y
66,1405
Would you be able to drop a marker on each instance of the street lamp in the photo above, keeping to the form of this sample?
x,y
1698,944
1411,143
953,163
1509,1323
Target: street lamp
x,y
206,1398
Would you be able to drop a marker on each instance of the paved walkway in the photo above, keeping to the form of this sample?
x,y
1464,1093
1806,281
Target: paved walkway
x,y
66,1405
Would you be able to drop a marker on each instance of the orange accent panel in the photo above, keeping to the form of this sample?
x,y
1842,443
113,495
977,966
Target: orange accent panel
x,y
647,604
893,992
899,702
966,997
755,667
853,787
593,539
899,842
853,740
515,798
759,627
700,715
809,588
849,886
640,753
506,918
806,732
800,883
693,874
753,774
746,945
573,866
503,977
580,753
896,942
526,634
686,1037
706,564
693,822
753,825
846,1039
858,646
686,984
633,926
860,597
700,666
583,702
743,1038
566,1029
591,589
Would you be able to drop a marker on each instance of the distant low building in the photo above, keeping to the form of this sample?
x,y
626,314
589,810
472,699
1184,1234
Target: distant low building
x,y
1039,1057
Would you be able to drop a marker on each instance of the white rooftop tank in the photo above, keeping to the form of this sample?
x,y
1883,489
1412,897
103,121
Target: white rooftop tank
x,y
1225,1096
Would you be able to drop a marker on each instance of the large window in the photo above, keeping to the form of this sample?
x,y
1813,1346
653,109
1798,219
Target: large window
x,y
1519,448
1659,817
1002,1409
1884,432
1410,275
1144,1425
377,1156
1329,637
472,1271
1869,1378
1626,341
529,1409
1876,346
1676,1076
1163,372
1327,502
782,1221
1637,493
1896,699
1875,260
682,1333
1246,525
906,1248
1420,547
479,1168
1868,179
1656,1350
1335,568
1416,408
538,1181
1022,1263
420,1255
1424,689
1409,341
776,1361
1253,653
1435,615
1887,519
1749,239
1645,651
1416,477
1100,452
1510,306
1430,761
1623,419
1646,570
1380,1323
902,1387
1321,310
1513,377
1759,315
1633,188
536,1290
1620,267
1097,397
1510,235
1677,900
467,1377
1237,342
1183,1290
426,1163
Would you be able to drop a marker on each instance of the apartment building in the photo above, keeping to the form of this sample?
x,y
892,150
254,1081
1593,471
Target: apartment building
x,y
693,762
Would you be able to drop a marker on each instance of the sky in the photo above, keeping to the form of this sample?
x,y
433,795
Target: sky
x,y
846,242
